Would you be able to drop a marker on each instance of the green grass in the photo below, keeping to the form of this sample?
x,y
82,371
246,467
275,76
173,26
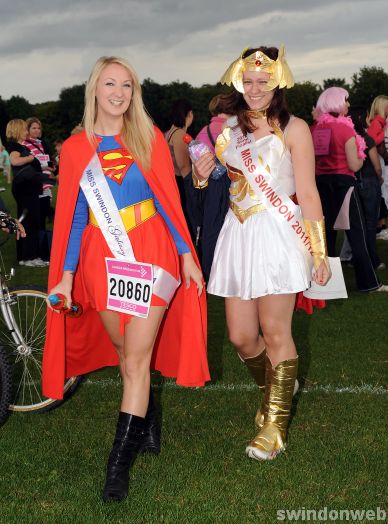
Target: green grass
x,y
53,465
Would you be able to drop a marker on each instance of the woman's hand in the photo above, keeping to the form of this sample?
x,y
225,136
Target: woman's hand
x,y
48,169
64,287
322,274
192,272
11,225
204,166
20,233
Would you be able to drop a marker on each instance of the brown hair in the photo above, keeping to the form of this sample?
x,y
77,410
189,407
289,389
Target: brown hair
x,y
33,120
218,104
277,111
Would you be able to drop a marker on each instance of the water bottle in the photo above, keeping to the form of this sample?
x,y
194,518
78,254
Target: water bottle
x,y
59,303
197,149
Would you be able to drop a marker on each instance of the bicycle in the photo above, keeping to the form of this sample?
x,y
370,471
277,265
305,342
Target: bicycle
x,y
22,335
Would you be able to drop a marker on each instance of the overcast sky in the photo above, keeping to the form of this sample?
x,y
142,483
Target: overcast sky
x,y
46,45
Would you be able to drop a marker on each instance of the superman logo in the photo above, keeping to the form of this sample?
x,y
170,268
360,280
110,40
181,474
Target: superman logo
x,y
115,163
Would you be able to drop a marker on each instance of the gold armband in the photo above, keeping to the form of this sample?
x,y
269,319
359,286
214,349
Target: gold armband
x,y
197,182
315,230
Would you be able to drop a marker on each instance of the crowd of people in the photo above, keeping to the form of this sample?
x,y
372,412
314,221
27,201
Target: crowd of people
x,y
348,185
26,166
132,200
32,180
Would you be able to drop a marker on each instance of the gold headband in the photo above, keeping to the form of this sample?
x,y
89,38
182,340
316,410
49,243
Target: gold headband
x,y
279,71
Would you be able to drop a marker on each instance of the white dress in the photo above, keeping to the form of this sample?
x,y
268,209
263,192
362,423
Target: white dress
x,y
257,255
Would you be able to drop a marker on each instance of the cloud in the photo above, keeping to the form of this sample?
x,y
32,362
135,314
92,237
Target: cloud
x,y
49,44
48,25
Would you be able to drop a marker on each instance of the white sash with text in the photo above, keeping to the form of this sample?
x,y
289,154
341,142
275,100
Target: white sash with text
x,y
268,190
103,205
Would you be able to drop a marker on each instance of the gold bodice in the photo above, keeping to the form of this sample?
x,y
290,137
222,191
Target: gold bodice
x,y
272,156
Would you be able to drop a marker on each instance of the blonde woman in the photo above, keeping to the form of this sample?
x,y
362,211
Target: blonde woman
x,y
378,118
121,155
26,189
378,130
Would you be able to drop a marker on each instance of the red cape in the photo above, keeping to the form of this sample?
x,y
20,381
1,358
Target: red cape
x,y
75,346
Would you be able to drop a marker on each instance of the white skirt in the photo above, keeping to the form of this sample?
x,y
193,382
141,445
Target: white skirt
x,y
260,257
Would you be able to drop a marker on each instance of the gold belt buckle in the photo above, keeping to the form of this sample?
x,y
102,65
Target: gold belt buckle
x,y
133,215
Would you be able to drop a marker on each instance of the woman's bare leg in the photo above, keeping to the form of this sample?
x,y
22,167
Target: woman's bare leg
x,y
135,351
111,322
242,318
275,314
139,340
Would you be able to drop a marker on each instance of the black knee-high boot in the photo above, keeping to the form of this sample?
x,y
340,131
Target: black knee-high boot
x,y
151,439
126,445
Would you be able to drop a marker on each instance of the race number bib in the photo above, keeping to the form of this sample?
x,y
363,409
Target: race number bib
x,y
43,159
129,287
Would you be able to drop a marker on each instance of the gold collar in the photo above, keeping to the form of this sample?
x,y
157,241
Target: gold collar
x,y
256,113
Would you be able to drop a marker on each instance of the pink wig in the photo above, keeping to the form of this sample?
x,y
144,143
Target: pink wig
x,y
332,100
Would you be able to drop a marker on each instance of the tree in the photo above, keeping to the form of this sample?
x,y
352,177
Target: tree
x,y
48,114
60,117
336,82
367,84
4,118
202,97
154,97
70,108
18,107
301,99
158,99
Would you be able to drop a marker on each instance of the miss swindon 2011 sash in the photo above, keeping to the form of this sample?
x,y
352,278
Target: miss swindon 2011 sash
x,y
103,205
267,189
282,208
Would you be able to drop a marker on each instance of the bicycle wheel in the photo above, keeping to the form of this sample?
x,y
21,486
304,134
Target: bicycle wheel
x,y
28,307
5,385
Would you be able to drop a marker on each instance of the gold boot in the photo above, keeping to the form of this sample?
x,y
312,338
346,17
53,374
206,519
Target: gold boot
x,y
256,366
280,384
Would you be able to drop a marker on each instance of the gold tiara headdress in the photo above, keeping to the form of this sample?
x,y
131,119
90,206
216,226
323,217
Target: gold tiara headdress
x,y
279,71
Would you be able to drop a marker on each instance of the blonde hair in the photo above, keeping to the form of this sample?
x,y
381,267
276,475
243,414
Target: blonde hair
x,y
77,129
14,129
378,107
137,133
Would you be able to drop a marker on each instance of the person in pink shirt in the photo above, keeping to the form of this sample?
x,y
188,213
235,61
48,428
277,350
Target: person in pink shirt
x,y
209,133
339,154
378,117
